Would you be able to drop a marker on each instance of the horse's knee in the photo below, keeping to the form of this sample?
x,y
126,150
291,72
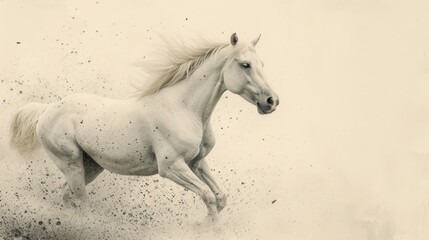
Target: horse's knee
x,y
163,172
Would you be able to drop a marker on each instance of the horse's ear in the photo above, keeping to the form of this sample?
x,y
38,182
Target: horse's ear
x,y
234,39
254,42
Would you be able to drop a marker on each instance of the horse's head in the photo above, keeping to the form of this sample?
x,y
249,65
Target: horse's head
x,y
244,75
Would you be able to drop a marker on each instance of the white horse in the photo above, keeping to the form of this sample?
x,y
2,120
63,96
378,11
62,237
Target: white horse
x,y
165,130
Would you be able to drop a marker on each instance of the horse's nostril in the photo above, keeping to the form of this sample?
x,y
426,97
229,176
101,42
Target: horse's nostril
x,y
270,101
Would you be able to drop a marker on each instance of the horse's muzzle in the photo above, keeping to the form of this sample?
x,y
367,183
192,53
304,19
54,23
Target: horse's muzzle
x,y
268,105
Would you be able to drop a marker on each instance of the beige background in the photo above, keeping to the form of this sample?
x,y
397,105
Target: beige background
x,y
345,156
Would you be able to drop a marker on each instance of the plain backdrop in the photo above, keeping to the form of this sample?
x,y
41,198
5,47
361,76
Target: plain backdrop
x,y
345,156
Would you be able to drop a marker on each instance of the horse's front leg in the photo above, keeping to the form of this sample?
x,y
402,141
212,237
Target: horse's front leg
x,y
178,171
202,170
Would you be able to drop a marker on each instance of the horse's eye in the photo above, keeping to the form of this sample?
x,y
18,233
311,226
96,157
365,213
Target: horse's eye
x,y
245,65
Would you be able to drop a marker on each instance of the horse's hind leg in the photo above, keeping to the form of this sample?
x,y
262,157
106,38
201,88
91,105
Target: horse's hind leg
x,y
69,160
92,170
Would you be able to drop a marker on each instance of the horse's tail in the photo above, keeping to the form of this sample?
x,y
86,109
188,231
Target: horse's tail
x,y
23,136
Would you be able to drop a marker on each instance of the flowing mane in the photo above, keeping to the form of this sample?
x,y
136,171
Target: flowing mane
x,y
178,61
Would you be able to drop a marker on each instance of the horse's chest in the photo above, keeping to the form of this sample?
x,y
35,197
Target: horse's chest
x,y
178,139
193,150
184,146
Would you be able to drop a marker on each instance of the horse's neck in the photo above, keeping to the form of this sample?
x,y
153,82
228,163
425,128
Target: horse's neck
x,y
202,91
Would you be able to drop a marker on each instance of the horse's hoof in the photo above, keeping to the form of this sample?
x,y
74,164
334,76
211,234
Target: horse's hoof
x,y
74,203
220,202
208,221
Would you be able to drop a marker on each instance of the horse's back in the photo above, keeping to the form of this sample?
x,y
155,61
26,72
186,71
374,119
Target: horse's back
x,y
64,111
